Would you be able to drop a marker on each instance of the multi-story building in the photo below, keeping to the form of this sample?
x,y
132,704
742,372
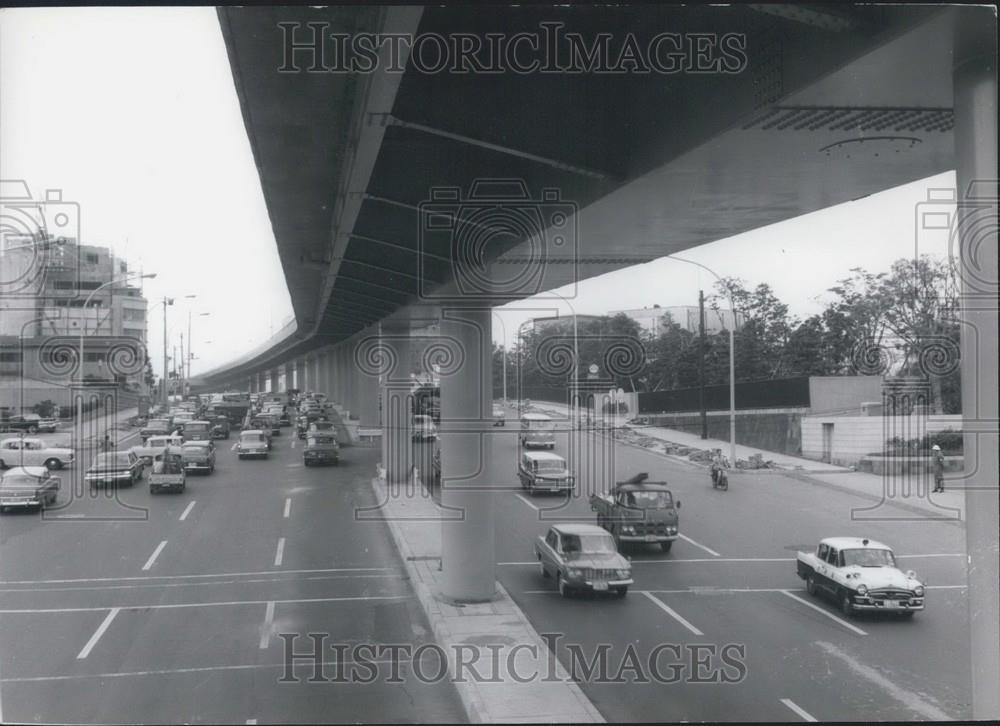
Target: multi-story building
x,y
651,319
51,293
561,323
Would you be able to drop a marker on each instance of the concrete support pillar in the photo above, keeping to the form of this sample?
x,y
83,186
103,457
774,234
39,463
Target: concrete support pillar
x,y
300,374
467,545
252,384
397,423
975,87
274,380
353,380
328,373
261,381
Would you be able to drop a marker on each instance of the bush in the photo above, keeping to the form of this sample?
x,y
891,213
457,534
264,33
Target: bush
x,y
45,409
949,441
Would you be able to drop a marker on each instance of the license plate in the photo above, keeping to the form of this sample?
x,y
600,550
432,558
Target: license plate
x,y
650,537
892,604
600,586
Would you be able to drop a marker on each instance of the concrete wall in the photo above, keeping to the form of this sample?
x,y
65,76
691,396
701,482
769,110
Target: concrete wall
x,y
856,436
776,431
843,393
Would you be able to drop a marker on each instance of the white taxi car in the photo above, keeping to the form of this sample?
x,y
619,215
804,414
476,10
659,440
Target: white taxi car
x,y
33,452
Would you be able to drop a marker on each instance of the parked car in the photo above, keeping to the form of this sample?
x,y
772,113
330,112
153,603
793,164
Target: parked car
x,y
639,511
537,430
155,427
154,446
199,456
28,486
253,442
543,471
860,574
168,472
198,431
31,423
33,452
424,428
119,468
583,557
320,449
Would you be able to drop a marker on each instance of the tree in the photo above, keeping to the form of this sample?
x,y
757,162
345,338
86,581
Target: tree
x,y
854,324
764,328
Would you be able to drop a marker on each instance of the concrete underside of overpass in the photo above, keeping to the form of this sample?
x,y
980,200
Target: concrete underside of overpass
x,y
377,183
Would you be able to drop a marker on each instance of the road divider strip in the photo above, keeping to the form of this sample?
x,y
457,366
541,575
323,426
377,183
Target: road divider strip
x,y
179,605
132,578
187,511
798,710
98,633
156,553
821,611
671,612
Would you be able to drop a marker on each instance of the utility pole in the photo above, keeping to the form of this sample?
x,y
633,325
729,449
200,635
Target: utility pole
x,y
701,366
166,394
183,379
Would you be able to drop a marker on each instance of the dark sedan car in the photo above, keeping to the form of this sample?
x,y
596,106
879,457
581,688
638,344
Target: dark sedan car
x,y
30,422
117,468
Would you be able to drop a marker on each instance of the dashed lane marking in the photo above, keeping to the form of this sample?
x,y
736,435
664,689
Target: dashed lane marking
x,y
798,710
265,633
288,507
700,546
187,511
821,611
156,553
528,502
671,612
279,555
134,578
97,634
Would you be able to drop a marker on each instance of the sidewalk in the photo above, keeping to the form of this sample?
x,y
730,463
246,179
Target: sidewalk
x,y
493,639
894,490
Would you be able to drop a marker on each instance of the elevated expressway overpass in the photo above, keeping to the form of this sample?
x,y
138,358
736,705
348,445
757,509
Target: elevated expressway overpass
x,y
391,198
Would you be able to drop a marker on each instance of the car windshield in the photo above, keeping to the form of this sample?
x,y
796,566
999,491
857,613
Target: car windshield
x,y
118,459
869,558
196,427
541,425
576,545
158,423
322,426
649,500
252,438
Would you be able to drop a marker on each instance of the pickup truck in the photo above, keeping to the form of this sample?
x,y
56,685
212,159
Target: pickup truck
x,y
638,510
860,575
154,446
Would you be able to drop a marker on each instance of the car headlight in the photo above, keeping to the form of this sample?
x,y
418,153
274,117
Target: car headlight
x,y
918,591
622,574
862,590
574,572
628,530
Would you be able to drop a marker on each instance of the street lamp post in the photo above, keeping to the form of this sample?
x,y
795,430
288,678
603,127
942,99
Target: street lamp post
x,y
732,359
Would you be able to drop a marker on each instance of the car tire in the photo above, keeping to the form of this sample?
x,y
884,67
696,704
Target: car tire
x,y
564,588
846,607
665,546
542,570
32,430
811,584
2,465
621,591
53,464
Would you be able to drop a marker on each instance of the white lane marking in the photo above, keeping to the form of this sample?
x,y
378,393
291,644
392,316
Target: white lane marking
x,y
820,610
279,578
172,606
288,507
798,710
265,633
251,721
526,501
200,669
97,634
187,511
293,444
156,553
700,546
185,577
907,698
279,555
672,613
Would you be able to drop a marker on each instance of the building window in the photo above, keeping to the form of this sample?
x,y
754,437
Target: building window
x,y
93,259
123,268
14,357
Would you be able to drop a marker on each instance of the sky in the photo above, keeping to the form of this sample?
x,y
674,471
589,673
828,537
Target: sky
x,y
132,114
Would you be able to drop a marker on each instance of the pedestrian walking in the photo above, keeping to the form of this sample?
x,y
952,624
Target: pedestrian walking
x,y
938,465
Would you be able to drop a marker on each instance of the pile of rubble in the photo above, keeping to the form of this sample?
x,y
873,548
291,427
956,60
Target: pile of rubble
x,y
756,461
